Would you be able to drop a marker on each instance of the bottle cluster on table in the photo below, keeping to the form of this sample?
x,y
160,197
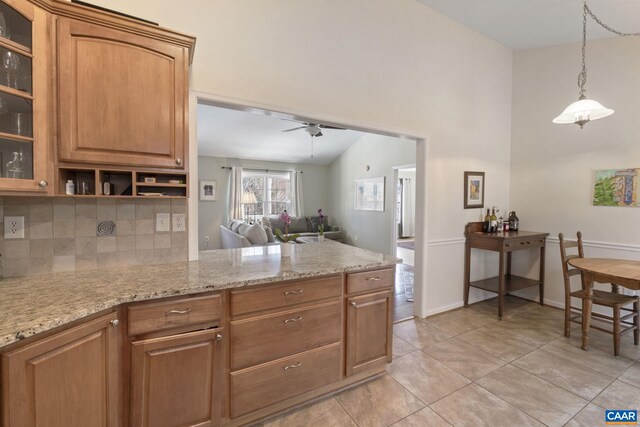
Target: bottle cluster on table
x,y
494,221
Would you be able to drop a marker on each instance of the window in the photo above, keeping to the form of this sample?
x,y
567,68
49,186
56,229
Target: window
x,y
265,193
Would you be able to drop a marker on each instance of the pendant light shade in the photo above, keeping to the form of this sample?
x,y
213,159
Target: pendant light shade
x,y
582,112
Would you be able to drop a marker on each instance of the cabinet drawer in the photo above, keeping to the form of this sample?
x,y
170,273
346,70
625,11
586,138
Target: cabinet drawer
x,y
262,339
264,385
154,317
370,280
524,243
281,296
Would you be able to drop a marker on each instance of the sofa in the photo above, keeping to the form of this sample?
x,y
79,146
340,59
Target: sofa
x,y
239,234
305,226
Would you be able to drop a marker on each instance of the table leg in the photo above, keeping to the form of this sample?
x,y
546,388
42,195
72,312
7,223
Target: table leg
x,y
542,275
467,272
501,285
587,302
508,263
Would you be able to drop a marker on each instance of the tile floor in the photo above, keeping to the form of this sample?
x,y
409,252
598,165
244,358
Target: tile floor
x,y
465,368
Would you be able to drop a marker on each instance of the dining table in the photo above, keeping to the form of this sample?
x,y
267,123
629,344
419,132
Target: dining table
x,y
603,270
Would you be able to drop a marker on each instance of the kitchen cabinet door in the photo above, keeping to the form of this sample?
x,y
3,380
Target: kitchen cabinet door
x,y
70,379
369,328
122,97
177,380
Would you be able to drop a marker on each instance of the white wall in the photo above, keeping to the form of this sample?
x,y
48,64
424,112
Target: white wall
x,y
367,229
212,214
552,165
377,63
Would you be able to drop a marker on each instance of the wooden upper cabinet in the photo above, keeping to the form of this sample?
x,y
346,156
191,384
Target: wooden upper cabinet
x,y
122,97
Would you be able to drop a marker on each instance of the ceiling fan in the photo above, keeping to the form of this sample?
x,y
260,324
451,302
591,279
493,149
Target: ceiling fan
x,y
313,129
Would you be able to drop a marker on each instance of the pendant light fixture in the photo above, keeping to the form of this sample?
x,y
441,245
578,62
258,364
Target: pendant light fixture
x,y
584,110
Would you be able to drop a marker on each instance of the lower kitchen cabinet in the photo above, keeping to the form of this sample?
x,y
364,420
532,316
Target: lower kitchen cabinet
x,y
369,329
177,380
69,379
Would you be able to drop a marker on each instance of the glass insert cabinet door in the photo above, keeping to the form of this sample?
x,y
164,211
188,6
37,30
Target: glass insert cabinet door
x,y
22,151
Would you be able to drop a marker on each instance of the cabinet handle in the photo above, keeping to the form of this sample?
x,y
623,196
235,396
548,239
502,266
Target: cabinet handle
x,y
43,184
295,319
115,322
178,161
167,313
374,279
218,337
296,365
353,304
297,291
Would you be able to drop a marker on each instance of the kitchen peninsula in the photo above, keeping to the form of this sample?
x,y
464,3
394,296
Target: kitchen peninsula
x,y
235,337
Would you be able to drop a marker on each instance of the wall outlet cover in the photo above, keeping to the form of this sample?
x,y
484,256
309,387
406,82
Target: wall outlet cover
x,y
163,222
14,227
179,222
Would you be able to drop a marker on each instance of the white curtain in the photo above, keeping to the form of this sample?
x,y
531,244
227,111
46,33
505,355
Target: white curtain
x,y
408,207
297,204
235,193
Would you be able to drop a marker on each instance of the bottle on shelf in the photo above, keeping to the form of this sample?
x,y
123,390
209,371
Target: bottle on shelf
x,y
493,224
500,221
15,166
513,221
487,222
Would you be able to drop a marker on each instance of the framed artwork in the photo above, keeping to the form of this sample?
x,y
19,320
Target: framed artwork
x,y
616,187
473,190
370,194
208,191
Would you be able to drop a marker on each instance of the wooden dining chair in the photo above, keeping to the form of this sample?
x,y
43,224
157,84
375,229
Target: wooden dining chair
x,y
630,321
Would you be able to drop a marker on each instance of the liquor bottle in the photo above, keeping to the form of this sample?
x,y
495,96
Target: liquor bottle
x,y
487,222
513,221
493,221
500,221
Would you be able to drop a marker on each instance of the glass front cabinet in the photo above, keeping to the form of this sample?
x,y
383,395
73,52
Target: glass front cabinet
x,y
25,76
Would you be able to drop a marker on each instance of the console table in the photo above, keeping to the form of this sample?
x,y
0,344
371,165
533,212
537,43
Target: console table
x,y
503,243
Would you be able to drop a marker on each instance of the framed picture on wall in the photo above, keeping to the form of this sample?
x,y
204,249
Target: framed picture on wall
x,y
473,190
208,191
370,194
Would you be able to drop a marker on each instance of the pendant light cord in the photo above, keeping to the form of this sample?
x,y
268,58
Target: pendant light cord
x,y
582,77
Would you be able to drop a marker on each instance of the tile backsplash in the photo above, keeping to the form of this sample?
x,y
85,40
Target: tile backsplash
x,y
60,234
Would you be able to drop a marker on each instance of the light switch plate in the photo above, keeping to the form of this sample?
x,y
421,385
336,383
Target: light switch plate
x,y
163,222
179,222
14,227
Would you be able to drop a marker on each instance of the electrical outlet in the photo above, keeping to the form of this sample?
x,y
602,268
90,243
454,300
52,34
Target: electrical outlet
x,y
178,222
14,227
163,222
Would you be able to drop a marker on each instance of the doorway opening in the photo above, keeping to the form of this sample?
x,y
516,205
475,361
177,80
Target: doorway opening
x,y
405,240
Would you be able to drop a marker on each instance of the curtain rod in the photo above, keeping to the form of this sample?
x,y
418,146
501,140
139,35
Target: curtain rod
x,y
260,170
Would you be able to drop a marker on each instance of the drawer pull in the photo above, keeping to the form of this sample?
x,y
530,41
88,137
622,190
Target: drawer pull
x,y
374,279
115,322
295,319
297,291
354,305
296,365
167,313
218,337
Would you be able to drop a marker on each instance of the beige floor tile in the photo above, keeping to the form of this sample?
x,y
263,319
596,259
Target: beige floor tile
x,y
529,332
474,406
423,418
511,305
326,413
459,321
425,377
380,402
419,334
538,398
401,347
619,395
596,359
578,379
632,375
591,415
493,342
464,358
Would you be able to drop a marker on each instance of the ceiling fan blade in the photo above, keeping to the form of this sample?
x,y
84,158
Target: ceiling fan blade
x,y
330,127
292,129
296,121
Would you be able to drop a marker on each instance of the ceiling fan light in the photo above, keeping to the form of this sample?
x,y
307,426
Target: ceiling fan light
x,y
582,112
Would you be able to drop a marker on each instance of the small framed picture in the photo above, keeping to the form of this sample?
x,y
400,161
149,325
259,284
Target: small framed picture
x,y
370,194
208,191
473,190
149,179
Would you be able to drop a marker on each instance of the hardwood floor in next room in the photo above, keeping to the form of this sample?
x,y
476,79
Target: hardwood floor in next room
x,y
466,368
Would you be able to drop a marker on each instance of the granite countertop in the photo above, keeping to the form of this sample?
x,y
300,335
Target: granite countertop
x,y
35,304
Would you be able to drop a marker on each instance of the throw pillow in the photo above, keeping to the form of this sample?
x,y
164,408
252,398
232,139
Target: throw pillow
x,y
234,224
270,237
298,225
254,233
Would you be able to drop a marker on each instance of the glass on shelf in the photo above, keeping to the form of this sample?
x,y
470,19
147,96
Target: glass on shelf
x,y
16,159
15,26
15,70
16,115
